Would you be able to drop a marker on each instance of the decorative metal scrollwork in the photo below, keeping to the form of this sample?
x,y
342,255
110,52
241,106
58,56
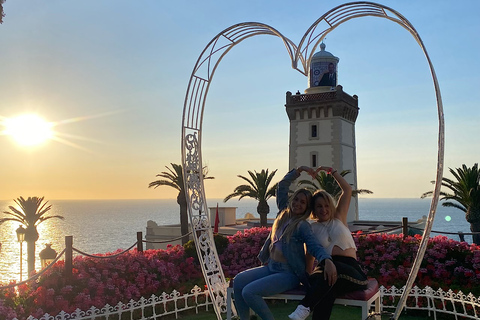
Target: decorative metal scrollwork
x,y
194,105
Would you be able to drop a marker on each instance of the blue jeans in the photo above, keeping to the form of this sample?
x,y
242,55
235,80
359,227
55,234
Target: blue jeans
x,y
251,285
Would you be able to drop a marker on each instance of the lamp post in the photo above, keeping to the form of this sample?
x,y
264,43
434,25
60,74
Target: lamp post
x,y
21,237
47,255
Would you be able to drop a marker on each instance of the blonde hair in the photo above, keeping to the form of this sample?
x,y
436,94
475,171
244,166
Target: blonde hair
x,y
322,194
285,215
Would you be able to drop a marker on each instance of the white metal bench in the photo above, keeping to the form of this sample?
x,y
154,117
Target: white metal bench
x,y
362,298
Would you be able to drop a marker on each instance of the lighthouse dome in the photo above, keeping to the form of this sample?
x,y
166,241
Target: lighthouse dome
x,y
323,54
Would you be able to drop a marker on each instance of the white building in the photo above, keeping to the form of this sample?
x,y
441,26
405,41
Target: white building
x,y
322,123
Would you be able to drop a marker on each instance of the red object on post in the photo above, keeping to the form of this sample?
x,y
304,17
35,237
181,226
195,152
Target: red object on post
x,y
217,221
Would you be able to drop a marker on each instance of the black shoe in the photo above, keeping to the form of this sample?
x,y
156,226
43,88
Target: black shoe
x,y
253,317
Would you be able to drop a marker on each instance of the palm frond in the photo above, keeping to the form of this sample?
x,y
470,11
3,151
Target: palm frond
x,y
158,183
174,177
31,212
454,205
360,191
16,213
464,190
258,186
325,181
50,217
11,219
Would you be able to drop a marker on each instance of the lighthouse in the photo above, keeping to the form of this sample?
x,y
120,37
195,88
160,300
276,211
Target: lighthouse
x,y
322,122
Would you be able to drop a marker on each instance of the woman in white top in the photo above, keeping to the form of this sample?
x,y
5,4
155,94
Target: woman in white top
x,y
331,229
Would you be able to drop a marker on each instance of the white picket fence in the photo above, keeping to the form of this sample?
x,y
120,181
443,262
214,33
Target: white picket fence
x,y
154,307
457,304
439,301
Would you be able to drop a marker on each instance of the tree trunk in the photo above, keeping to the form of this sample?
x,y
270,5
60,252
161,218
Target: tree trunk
x,y
475,227
472,215
182,201
263,209
30,257
31,236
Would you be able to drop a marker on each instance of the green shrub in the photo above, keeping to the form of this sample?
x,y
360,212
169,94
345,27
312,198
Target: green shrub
x,y
221,243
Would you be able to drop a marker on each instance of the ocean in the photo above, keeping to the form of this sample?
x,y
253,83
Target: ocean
x,y
101,226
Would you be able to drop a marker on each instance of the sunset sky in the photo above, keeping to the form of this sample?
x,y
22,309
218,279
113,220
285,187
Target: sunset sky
x,y
111,77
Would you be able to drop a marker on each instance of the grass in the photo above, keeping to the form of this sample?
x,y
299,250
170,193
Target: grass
x,y
281,311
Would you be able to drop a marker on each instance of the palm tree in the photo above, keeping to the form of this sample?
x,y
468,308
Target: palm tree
x,y
258,189
2,14
465,194
31,214
328,183
174,178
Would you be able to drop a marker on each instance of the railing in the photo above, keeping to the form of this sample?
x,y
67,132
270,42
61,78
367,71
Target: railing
x,y
449,302
155,306
439,301
151,308
405,230
68,252
300,98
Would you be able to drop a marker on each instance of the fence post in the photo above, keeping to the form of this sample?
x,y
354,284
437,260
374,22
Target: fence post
x,y
462,236
68,257
139,242
405,227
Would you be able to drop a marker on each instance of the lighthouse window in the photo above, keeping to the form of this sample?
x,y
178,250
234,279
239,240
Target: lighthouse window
x,y
313,131
314,160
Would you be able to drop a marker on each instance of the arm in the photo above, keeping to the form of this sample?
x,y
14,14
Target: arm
x,y
311,242
309,261
346,196
330,272
329,269
282,188
284,185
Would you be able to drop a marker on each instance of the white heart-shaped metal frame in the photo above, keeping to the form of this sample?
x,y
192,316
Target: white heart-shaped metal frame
x,y
300,56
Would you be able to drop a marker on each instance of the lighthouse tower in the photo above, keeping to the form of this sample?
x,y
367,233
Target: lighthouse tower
x,y
322,123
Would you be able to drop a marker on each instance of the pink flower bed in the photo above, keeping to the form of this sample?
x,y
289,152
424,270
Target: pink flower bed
x,y
242,250
96,282
448,264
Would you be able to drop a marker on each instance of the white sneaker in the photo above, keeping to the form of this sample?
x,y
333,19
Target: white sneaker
x,y
301,313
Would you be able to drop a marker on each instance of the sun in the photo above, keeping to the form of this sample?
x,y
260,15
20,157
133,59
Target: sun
x,y
28,130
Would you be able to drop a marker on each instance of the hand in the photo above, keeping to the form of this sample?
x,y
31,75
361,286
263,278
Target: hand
x,y
310,171
323,168
330,272
320,168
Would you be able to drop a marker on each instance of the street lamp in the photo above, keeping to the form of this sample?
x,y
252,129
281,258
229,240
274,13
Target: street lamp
x,y
21,237
47,255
